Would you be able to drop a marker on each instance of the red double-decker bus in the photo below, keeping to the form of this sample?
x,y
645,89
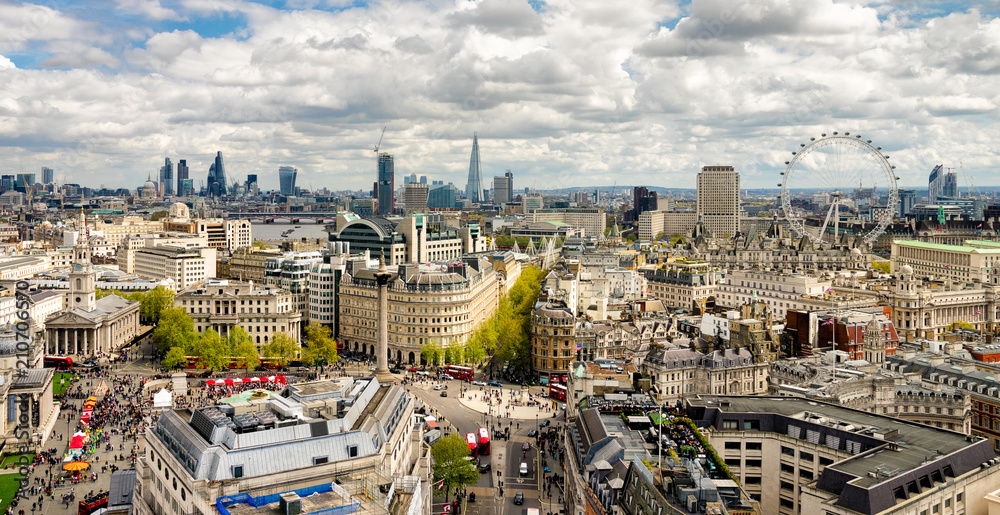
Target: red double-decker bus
x,y
557,392
473,445
464,373
484,441
57,362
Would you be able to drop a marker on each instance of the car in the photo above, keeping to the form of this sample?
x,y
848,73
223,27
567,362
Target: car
x,y
484,468
447,377
479,383
524,469
525,446
519,498
438,387
494,383
412,369
303,369
444,393
545,423
532,433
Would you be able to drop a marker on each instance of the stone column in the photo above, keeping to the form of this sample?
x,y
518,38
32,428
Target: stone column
x,y
86,341
382,331
76,341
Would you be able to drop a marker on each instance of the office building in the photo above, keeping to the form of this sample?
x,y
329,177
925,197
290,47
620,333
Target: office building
x,y
719,200
503,188
185,267
182,175
286,178
166,178
652,223
941,184
263,311
415,197
442,196
216,183
24,182
186,187
684,284
907,198
806,456
290,272
324,281
6,182
642,200
251,181
474,188
337,446
414,239
48,175
436,306
592,220
385,186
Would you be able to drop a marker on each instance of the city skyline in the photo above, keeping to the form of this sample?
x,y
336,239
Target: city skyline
x,y
561,93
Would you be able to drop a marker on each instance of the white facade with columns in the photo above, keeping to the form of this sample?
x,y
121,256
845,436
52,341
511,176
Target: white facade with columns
x,y
90,326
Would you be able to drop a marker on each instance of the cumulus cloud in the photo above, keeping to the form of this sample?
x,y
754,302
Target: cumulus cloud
x,y
571,93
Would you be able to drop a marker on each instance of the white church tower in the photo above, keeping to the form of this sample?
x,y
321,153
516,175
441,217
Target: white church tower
x,y
82,276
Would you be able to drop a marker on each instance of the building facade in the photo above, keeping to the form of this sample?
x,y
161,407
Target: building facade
x,y
718,203
262,311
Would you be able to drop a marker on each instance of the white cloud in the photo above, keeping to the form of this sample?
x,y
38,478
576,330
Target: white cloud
x,y
150,9
573,93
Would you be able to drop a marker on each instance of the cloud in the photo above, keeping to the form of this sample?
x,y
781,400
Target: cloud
x,y
573,93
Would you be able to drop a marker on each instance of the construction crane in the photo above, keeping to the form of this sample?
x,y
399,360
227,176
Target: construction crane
x,y
379,144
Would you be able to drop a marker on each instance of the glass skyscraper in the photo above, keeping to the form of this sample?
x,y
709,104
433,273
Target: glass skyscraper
x,y
216,184
47,175
286,179
182,173
385,187
167,177
474,188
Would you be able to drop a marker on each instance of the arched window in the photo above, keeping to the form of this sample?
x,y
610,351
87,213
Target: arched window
x,y
79,284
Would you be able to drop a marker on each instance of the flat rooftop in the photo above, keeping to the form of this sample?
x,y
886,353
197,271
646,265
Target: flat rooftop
x,y
310,504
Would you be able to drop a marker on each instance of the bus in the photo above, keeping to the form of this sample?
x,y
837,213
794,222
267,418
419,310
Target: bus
x,y
57,362
464,373
484,442
557,392
192,362
237,362
270,363
473,445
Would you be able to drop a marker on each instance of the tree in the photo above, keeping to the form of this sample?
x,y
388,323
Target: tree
x,y
321,348
212,350
154,302
660,236
431,353
451,465
240,345
281,346
880,266
174,358
676,238
157,216
175,329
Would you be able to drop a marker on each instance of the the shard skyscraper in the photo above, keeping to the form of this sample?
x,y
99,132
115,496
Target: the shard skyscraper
x,y
474,188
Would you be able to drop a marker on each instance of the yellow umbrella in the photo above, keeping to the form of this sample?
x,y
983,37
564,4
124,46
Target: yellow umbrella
x,y
76,466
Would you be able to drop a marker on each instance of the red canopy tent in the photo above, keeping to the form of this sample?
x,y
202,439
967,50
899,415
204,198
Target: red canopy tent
x,y
77,441
215,382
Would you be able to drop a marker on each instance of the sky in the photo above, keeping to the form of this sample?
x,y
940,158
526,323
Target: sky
x,y
563,93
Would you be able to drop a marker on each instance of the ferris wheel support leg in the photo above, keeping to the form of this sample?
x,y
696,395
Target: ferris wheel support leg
x,y
826,221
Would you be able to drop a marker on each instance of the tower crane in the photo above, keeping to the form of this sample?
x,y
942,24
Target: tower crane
x,y
379,144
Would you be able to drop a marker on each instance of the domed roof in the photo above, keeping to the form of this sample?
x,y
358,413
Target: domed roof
x,y
906,270
149,184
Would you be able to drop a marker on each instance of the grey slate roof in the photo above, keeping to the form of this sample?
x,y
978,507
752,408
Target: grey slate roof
x,y
122,486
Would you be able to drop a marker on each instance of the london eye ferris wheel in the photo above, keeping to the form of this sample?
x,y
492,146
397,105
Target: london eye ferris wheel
x,y
835,174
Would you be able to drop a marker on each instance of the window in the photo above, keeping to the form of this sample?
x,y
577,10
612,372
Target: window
x,y
805,456
785,503
785,485
319,460
754,446
806,474
753,463
787,451
729,424
752,480
733,446
352,451
237,470
786,468
732,462
825,461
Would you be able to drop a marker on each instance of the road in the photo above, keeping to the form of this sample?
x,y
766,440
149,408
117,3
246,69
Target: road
x,y
464,420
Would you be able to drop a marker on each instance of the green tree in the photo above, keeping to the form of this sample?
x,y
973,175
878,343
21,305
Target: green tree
x,y
281,346
259,244
157,216
880,266
154,302
174,358
451,465
240,345
660,236
431,353
212,350
175,329
676,238
321,347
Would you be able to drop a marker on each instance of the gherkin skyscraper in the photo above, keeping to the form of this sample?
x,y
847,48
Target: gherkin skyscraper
x,y
474,189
